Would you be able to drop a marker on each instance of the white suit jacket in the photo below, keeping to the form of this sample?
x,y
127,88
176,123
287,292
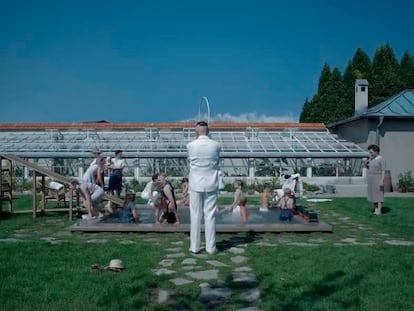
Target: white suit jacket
x,y
204,158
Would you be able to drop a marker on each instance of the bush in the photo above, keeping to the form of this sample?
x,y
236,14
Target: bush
x,y
27,185
136,185
310,187
229,187
405,181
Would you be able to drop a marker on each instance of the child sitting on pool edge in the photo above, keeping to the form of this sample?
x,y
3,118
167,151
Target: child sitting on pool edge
x,y
286,204
129,213
239,202
265,198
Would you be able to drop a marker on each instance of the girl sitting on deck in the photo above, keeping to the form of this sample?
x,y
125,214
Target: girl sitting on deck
x,y
286,204
239,202
265,198
129,213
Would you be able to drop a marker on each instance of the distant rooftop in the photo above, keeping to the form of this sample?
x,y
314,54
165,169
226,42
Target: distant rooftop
x,y
398,106
105,125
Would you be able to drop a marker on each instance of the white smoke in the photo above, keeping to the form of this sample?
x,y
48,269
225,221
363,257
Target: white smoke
x,y
252,117
249,117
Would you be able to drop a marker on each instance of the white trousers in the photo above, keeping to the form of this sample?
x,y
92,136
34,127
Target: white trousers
x,y
203,202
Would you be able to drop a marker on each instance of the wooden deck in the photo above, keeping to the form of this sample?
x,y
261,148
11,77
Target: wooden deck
x,y
225,223
220,228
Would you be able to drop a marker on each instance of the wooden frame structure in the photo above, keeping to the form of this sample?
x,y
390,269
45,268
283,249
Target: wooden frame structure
x,y
41,172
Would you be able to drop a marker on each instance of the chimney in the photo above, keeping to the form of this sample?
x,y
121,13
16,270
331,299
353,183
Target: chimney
x,y
361,96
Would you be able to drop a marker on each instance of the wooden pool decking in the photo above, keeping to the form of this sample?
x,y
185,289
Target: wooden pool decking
x,y
105,225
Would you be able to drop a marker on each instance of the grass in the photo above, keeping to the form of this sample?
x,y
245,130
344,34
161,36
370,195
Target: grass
x,y
317,271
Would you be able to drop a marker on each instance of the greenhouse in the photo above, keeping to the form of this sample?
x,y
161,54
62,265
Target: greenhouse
x,y
249,150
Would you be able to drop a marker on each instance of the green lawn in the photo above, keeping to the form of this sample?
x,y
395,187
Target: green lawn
x,y
353,268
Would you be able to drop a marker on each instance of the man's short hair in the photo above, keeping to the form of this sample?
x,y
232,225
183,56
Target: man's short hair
x,y
202,123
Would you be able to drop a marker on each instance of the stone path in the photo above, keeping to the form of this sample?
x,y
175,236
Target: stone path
x,y
208,272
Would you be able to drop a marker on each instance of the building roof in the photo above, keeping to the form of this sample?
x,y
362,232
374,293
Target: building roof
x,y
398,106
169,140
104,125
361,82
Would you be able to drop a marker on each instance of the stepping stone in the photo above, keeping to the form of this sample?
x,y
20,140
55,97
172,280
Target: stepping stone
x,y
364,243
248,309
161,296
216,263
190,267
151,240
203,275
126,242
12,240
399,242
173,249
21,231
244,277
318,240
243,269
236,250
20,235
201,256
383,234
302,244
167,262
48,239
342,244
189,261
251,294
97,241
213,296
283,240
63,233
177,243
349,240
363,228
163,271
238,259
57,242
177,255
266,244
181,281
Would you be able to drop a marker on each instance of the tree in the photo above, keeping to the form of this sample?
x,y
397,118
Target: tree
x,y
305,113
335,93
384,80
346,102
330,90
361,64
406,71
324,79
335,96
320,101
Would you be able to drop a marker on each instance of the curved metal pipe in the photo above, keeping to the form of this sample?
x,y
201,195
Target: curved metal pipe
x,y
204,99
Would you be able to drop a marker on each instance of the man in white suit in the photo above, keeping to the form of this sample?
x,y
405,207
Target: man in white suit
x,y
203,157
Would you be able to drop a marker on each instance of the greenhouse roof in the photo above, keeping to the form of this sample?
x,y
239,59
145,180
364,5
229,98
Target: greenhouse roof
x,y
152,140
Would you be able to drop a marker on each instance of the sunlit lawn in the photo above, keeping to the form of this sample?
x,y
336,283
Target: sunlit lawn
x,y
316,271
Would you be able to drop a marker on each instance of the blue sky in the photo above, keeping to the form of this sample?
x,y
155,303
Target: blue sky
x,y
153,61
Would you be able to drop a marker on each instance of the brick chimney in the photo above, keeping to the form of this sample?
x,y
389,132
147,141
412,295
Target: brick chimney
x,y
361,96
